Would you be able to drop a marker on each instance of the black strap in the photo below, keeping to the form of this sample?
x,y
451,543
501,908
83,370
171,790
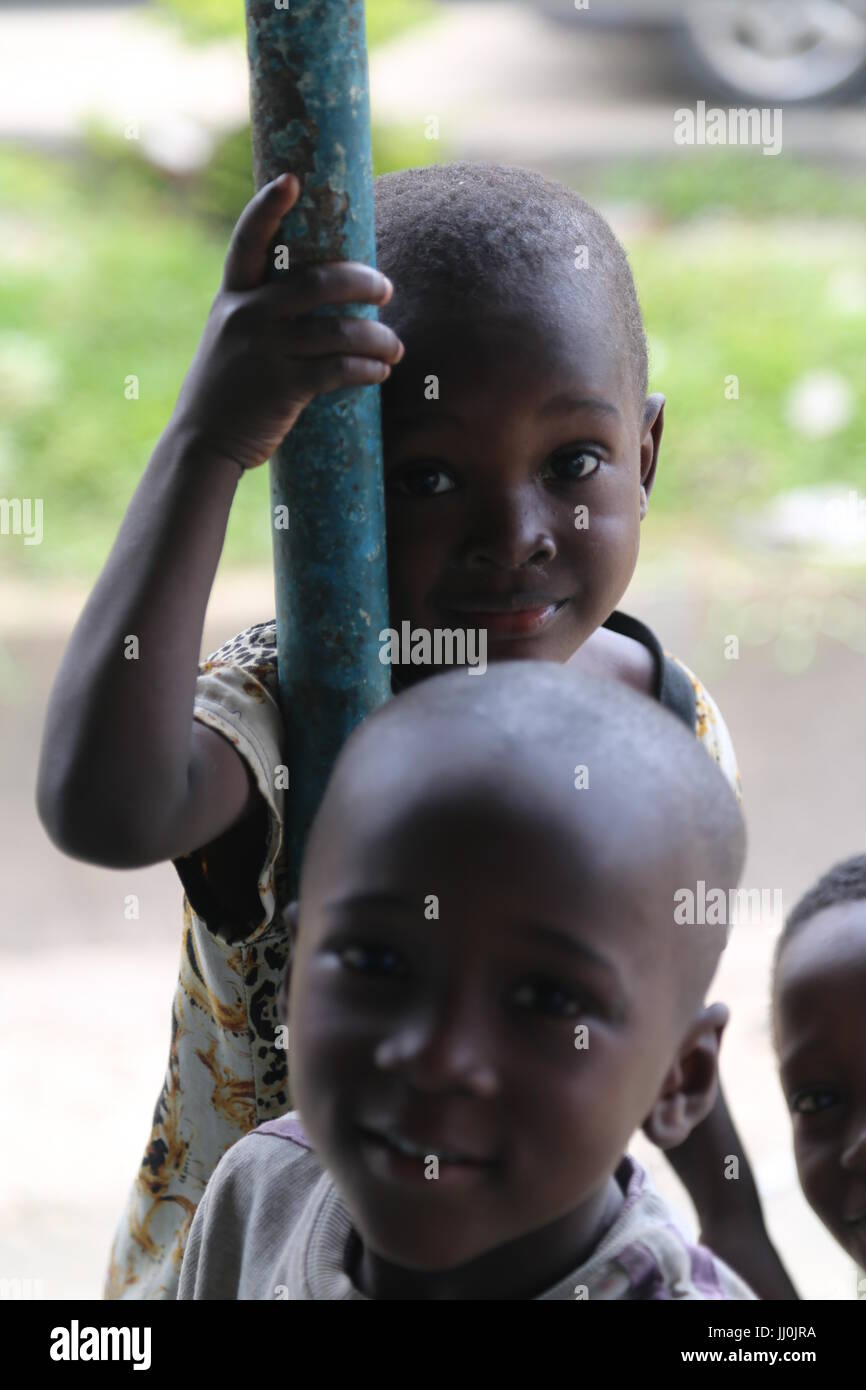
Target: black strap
x,y
673,689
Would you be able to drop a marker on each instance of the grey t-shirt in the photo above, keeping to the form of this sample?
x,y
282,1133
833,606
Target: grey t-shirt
x,y
272,1225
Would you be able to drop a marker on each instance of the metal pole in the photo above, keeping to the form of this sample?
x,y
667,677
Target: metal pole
x,y
310,112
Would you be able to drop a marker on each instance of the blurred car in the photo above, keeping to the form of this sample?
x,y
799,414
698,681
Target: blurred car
x,y
764,52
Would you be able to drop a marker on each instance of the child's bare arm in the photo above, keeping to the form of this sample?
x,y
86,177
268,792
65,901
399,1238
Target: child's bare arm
x,y
729,1209
123,776
126,776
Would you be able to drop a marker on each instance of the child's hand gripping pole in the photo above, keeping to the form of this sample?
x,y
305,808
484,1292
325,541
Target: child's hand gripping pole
x,y
310,113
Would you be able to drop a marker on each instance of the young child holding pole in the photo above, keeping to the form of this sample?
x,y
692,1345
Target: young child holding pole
x,y
520,450
489,995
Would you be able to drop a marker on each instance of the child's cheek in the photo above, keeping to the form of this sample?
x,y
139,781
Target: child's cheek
x,y
815,1169
609,542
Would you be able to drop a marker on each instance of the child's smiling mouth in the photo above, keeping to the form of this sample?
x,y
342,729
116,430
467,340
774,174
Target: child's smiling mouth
x,y
505,615
394,1156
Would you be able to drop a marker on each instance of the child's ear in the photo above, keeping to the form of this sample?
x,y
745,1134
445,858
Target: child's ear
x,y
652,428
689,1089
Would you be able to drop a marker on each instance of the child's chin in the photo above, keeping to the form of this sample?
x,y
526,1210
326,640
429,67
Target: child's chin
x,y
424,1253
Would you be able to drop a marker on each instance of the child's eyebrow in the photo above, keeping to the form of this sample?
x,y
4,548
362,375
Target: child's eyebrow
x,y
565,941
561,404
558,405
421,420
369,902
799,1050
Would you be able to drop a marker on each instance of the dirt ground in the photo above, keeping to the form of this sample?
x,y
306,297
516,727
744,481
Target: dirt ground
x,y
85,994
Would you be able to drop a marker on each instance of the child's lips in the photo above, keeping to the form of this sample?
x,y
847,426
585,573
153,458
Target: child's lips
x,y
390,1158
446,1150
515,615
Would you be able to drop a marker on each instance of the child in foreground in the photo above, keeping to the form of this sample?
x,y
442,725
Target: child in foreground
x,y
489,995
819,1025
515,494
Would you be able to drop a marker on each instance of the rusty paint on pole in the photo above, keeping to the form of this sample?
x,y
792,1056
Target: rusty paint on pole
x,y
309,106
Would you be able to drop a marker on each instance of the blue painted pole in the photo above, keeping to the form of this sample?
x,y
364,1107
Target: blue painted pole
x,y
310,113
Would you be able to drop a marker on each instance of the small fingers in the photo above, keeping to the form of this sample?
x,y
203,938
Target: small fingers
x,y
347,337
319,375
249,253
310,287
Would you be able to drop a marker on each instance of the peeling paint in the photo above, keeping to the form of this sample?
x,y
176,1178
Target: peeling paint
x,y
310,114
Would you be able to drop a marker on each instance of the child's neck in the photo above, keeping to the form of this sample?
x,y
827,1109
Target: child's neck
x,y
617,657
604,653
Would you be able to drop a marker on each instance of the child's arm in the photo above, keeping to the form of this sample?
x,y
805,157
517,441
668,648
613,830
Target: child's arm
x,y
126,776
729,1210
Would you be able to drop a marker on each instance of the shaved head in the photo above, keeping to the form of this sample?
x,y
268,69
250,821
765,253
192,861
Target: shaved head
x,y
617,772
484,233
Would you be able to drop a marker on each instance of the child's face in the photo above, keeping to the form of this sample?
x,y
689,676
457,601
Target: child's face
x,y
820,1027
482,483
440,974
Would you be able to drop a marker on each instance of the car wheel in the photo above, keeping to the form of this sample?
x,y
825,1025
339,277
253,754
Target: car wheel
x,y
777,52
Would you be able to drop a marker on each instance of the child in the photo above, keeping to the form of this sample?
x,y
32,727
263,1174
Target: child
x,y
819,985
520,449
489,995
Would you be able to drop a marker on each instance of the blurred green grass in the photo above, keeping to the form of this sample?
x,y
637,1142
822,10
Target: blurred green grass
x,y
108,269
200,20
721,180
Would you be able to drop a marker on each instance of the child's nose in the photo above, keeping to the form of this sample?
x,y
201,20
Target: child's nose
x,y
441,1048
509,532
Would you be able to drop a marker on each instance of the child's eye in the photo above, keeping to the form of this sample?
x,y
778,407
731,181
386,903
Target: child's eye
x,y
422,481
814,1101
372,960
569,468
548,998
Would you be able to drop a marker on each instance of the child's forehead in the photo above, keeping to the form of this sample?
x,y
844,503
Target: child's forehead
x,y
537,846
554,311
492,819
516,352
826,951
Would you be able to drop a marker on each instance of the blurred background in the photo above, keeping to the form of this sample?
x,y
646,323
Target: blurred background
x,y
124,163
